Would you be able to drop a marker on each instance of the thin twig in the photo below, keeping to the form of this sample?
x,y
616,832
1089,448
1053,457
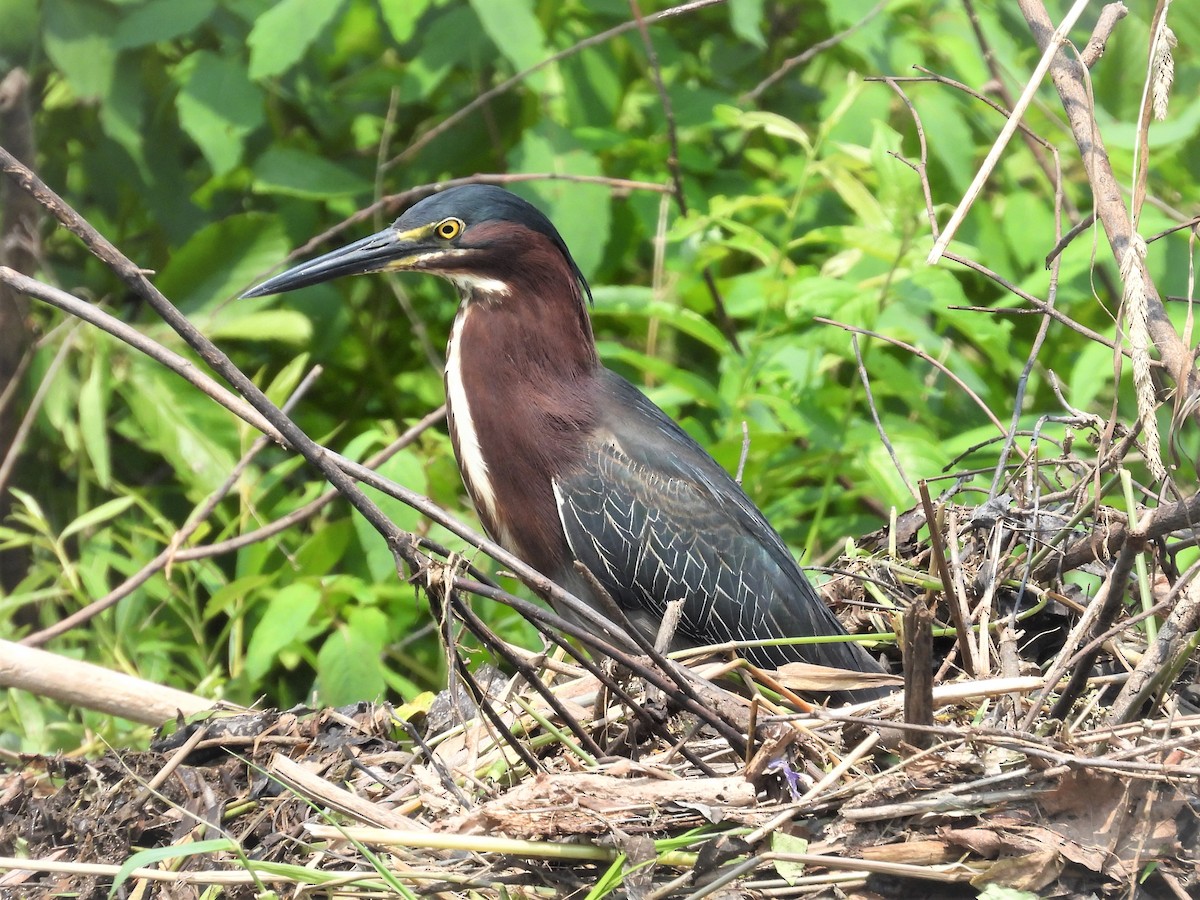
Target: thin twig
x,y
1006,133
503,87
724,322
35,407
752,95
883,437
917,351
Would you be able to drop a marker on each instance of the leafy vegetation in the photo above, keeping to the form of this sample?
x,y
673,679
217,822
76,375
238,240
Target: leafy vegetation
x,y
209,140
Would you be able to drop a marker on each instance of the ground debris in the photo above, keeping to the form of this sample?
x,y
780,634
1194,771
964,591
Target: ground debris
x,y
1033,773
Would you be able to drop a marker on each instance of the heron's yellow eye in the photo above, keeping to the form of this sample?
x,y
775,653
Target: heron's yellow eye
x,y
449,228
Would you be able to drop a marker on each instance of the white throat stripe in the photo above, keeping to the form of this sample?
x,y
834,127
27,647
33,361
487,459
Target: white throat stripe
x,y
470,284
471,460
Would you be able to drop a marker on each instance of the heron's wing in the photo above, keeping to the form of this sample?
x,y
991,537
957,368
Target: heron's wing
x,y
656,519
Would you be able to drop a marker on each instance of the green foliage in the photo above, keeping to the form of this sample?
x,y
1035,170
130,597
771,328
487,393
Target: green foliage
x,y
208,140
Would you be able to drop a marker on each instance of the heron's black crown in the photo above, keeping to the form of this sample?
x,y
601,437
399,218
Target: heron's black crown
x,y
477,204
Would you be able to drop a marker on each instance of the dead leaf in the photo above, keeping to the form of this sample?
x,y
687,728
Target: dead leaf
x,y
913,853
1028,872
593,803
807,678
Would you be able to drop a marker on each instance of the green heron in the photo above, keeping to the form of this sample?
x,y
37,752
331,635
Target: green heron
x,y
567,462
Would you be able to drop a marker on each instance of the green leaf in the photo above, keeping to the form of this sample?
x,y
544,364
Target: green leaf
x,y
284,325
161,20
636,303
776,125
93,419
782,842
20,29
226,600
170,417
323,551
121,113
859,197
406,468
349,664
283,34
223,259
514,29
94,517
677,385
218,106
401,17
294,173
284,622
78,39
745,18
174,851
36,514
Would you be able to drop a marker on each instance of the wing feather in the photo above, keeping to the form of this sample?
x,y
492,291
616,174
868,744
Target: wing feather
x,y
656,519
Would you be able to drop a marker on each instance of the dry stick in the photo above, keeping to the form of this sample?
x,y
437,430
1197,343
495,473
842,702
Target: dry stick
x,y
1114,586
1109,16
542,620
1161,521
89,686
1068,76
1065,241
1033,140
1184,617
500,649
937,545
131,807
1038,305
1006,133
726,324
1104,640
206,509
1141,147
171,552
308,510
929,76
959,596
676,672
921,168
180,365
437,591
917,650
1029,744
295,777
187,369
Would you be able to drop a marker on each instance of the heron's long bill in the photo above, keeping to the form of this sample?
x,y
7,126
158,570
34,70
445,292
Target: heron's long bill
x,y
380,251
